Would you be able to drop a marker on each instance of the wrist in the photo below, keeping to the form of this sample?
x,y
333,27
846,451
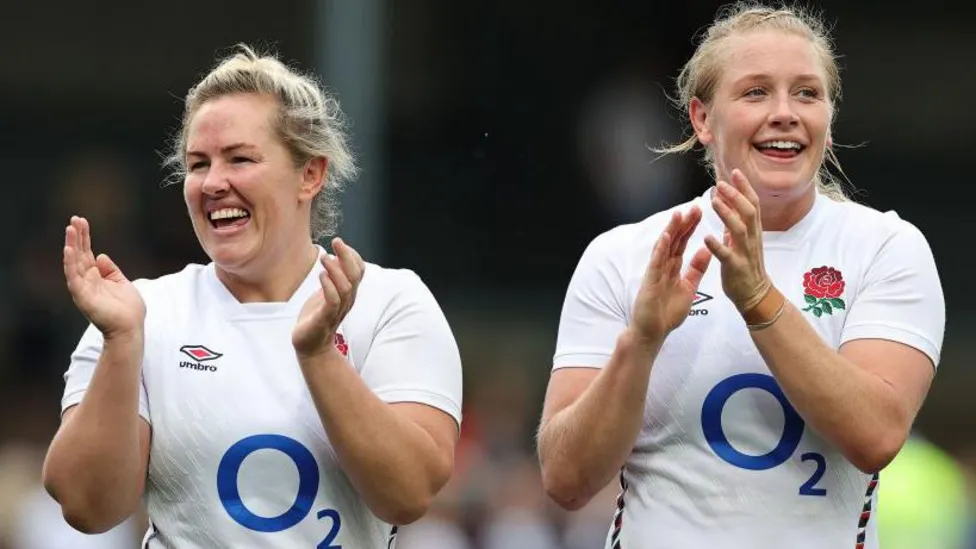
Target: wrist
x,y
318,356
745,307
123,337
639,341
766,311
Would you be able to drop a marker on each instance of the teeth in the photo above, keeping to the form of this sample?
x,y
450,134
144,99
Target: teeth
x,y
227,213
786,145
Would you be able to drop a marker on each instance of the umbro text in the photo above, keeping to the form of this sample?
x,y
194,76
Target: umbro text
x,y
198,366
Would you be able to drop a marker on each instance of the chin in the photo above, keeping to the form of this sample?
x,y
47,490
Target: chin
x,y
229,256
780,184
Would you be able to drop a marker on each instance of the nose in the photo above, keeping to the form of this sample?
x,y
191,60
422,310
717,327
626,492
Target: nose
x,y
215,183
782,113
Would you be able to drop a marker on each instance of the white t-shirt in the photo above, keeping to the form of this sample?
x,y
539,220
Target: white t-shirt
x,y
723,459
239,456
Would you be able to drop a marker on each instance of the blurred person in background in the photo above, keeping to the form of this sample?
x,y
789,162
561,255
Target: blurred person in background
x,y
626,112
280,395
100,182
925,501
752,403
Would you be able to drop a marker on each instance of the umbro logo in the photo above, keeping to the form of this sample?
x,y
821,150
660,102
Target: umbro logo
x,y
199,354
700,297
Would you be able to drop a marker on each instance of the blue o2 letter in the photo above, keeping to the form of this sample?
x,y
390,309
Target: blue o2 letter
x,y
230,497
712,423
711,420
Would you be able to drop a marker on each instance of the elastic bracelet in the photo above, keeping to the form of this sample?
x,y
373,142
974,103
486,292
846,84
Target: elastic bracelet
x,y
770,322
767,311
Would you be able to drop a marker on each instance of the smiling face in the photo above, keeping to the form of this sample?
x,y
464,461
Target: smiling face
x,y
770,113
249,203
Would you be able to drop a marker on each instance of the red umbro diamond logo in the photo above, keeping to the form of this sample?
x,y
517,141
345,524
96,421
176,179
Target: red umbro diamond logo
x,y
199,353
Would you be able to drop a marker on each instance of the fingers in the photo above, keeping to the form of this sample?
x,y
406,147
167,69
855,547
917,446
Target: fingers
x,y
107,268
70,256
352,264
80,225
70,236
691,220
655,270
673,228
740,197
697,266
721,251
75,263
344,271
742,184
729,204
340,281
329,291
86,241
666,258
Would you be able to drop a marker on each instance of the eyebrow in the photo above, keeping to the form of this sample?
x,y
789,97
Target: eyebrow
x,y
764,76
224,150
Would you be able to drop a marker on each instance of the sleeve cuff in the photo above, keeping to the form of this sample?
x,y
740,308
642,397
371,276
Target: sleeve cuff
x,y
893,333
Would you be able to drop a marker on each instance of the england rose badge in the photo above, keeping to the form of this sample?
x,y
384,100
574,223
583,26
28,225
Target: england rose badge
x,y
822,291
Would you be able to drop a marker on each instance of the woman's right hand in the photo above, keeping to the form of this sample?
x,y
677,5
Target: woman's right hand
x,y
666,295
99,289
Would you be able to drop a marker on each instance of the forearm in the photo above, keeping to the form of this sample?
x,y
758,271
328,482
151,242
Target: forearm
x,y
583,446
94,467
852,408
394,463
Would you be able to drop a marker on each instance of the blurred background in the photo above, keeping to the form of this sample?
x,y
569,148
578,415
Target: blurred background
x,y
496,139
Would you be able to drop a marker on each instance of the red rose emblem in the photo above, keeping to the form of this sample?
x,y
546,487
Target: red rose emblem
x,y
822,288
340,343
823,282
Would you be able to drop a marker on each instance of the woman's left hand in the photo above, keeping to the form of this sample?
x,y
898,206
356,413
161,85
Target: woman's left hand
x,y
744,278
315,330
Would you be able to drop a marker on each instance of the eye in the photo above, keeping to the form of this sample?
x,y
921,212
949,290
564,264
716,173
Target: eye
x,y
809,93
240,159
755,92
194,166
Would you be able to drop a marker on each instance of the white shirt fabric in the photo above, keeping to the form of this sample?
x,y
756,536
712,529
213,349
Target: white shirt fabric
x,y
722,459
239,456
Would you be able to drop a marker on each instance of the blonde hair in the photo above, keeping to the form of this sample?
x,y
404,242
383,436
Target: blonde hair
x,y
309,123
700,76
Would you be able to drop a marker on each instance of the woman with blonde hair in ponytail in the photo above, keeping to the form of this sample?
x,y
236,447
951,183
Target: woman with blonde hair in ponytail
x,y
746,363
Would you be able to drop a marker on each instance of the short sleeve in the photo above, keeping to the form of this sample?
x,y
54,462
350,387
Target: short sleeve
x,y
901,297
84,359
414,356
594,310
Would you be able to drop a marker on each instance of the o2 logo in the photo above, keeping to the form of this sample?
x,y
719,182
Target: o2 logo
x,y
711,420
308,485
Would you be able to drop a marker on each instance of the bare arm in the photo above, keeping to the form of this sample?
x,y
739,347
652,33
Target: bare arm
x,y
96,464
862,399
591,419
592,416
398,456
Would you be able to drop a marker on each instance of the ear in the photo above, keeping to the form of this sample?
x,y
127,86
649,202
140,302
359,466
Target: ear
x,y
698,113
313,177
830,141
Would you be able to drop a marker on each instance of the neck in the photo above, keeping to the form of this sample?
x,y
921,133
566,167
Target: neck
x,y
276,279
780,211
